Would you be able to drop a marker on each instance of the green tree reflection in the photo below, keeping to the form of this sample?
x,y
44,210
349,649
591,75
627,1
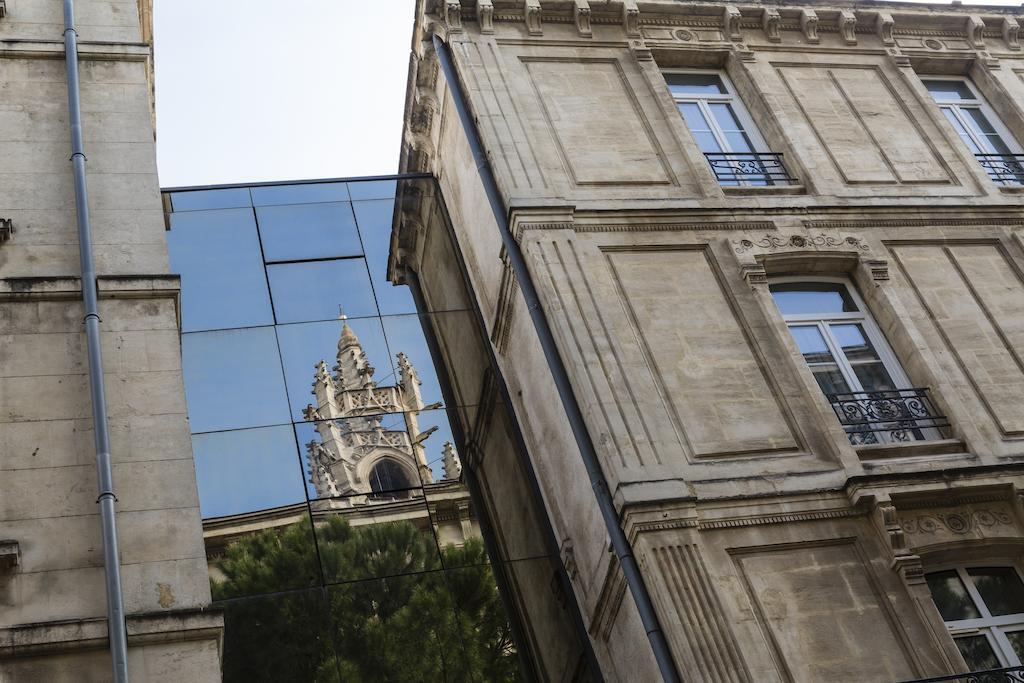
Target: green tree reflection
x,y
417,625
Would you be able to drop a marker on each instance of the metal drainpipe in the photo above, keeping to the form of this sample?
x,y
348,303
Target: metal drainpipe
x,y
620,544
111,558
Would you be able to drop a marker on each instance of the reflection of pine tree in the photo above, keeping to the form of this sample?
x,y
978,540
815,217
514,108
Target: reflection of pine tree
x,y
418,625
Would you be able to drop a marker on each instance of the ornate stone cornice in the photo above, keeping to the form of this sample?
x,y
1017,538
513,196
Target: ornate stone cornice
x,y
781,518
856,224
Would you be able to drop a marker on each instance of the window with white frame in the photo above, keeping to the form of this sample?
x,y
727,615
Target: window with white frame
x,y
983,607
979,127
852,363
723,130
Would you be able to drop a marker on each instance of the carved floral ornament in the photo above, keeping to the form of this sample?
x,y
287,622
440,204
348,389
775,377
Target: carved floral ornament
x,y
961,522
773,242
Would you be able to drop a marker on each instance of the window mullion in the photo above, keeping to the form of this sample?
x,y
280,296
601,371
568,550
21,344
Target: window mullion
x,y
973,592
968,126
837,353
716,130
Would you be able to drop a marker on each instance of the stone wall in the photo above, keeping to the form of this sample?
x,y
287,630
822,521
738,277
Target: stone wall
x,y
52,600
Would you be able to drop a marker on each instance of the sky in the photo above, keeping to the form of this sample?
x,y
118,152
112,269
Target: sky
x,y
258,90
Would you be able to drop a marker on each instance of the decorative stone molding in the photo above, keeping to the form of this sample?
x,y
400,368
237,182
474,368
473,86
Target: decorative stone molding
x,y
631,18
974,27
784,518
581,14
773,242
910,223
753,274
6,224
731,23
485,15
453,16
1010,30
532,16
883,28
847,25
770,20
879,269
959,522
809,25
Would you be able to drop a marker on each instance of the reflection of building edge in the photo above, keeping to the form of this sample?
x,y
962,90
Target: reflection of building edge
x,y
353,445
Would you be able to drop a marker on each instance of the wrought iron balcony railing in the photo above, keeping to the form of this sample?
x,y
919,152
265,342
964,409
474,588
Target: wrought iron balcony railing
x,y
1004,169
898,415
749,168
1013,674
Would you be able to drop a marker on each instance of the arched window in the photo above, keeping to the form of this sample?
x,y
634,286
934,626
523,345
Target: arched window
x,y
388,477
983,607
853,364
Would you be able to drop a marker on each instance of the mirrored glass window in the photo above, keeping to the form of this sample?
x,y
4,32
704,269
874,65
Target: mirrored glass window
x,y
308,231
321,290
233,379
227,198
217,254
299,193
374,218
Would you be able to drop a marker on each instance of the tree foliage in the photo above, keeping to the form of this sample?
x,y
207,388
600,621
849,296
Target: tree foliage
x,y
419,624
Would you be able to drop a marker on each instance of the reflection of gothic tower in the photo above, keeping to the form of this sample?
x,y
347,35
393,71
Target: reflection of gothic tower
x,y
357,455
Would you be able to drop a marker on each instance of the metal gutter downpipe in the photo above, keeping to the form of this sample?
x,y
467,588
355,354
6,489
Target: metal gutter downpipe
x,y
620,544
116,629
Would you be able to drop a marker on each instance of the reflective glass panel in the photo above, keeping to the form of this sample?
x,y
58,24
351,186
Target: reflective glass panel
x,y
702,84
405,336
985,130
218,256
403,629
260,554
299,193
248,470
227,198
807,298
961,131
233,379
949,90
1016,639
321,290
374,219
280,638
951,596
308,231
372,189
977,652
363,351
1000,588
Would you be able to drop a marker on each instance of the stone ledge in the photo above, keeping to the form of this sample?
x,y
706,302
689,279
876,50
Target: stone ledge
x,y
48,638
69,286
53,49
912,449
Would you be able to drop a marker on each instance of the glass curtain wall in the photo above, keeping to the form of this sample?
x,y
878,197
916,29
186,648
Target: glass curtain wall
x,y
341,538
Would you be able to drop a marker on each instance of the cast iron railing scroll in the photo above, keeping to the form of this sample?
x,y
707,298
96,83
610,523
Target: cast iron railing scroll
x,y
1013,674
897,415
1003,169
749,168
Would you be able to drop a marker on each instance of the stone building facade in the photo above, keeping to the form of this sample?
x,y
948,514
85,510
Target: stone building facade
x,y
781,248
52,600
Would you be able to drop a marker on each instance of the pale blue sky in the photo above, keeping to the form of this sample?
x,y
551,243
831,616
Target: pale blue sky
x,y
253,90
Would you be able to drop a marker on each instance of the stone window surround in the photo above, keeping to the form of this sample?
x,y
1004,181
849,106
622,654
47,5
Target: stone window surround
x,y
866,274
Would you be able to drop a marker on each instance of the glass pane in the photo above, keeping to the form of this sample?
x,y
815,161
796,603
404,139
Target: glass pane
x,y
830,379
307,231
961,131
811,344
321,290
802,298
299,193
740,143
405,337
1000,588
874,377
854,342
372,189
695,83
977,653
228,198
279,638
218,256
707,143
403,629
324,363
233,379
980,122
248,470
374,219
946,91
950,596
1016,639
694,117
725,116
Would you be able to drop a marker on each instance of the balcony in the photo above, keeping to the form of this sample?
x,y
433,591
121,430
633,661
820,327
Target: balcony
x,y
882,417
749,168
1014,674
1003,169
